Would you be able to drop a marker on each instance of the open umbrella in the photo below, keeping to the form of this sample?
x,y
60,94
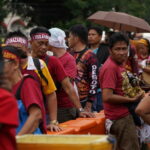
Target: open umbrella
x,y
120,21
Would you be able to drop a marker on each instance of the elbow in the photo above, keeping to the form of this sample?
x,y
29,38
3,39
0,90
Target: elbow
x,y
38,115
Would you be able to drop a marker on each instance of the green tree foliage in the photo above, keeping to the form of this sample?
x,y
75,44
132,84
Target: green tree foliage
x,y
64,13
3,9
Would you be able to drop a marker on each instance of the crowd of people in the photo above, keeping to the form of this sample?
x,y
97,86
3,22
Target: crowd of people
x,y
87,73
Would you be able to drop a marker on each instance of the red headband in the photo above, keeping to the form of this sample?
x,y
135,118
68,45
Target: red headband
x,y
18,40
40,36
8,55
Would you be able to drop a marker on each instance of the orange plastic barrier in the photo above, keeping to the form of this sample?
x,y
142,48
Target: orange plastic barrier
x,y
64,131
84,125
81,126
99,128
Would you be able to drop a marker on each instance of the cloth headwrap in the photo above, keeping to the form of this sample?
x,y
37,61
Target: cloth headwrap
x,y
8,55
143,41
40,36
18,40
57,38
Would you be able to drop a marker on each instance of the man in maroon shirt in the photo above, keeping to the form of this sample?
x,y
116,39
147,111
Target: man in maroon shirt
x,y
114,81
39,47
19,40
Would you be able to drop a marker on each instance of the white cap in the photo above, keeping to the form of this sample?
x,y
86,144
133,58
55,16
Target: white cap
x,y
57,38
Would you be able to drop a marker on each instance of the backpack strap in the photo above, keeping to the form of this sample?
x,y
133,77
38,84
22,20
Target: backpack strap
x,y
18,92
47,59
38,67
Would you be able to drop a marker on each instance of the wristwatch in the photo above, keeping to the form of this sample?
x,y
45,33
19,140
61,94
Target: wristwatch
x,y
81,109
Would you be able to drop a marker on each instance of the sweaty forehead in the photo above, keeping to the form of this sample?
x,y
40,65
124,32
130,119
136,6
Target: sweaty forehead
x,y
120,43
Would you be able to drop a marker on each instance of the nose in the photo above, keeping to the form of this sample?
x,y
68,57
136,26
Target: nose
x,y
44,46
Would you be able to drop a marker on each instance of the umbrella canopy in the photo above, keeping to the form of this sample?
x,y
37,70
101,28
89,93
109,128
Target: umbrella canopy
x,y
120,21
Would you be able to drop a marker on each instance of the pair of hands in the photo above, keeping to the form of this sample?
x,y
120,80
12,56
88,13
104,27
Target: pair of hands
x,y
138,97
84,114
87,113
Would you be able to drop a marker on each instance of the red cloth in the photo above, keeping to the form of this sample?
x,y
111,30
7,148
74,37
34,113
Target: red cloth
x,y
55,68
111,78
69,65
59,70
31,94
8,119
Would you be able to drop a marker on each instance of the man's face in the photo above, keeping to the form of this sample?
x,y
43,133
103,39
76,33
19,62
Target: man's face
x,y
10,67
72,40
119,52
39,47
93,37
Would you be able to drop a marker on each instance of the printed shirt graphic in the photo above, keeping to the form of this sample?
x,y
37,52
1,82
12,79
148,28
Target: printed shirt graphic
x,y
86,79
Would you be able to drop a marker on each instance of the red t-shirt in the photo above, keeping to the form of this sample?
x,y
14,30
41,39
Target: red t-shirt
x,y
55,68
8,119
112,77
58,73
31,94
69,65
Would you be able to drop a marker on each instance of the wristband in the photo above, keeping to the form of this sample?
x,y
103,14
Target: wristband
x,y
54,122
81,110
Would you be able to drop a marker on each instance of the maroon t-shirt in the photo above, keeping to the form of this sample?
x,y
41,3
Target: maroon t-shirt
x,y
58,73
55,68
112,76
69,65
8,119
31,94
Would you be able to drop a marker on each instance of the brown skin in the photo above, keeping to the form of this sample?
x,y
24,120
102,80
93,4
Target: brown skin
x,y
93,39
119,54
142,51
11,68
143,109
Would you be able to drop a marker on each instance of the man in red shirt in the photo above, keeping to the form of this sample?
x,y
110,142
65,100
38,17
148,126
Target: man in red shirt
x,y
18,39
65,89
30,92
114,83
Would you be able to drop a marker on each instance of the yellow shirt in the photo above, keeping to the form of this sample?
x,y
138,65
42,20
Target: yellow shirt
x,y
46,88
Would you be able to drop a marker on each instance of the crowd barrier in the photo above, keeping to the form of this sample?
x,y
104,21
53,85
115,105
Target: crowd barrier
x,y
63,142
83,125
